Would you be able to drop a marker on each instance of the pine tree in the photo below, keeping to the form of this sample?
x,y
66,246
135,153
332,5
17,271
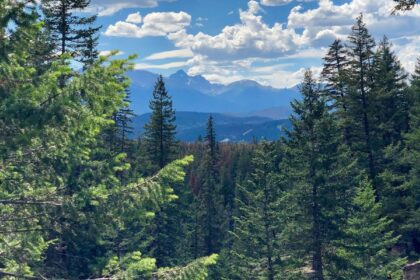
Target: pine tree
x,y
124,120
392,122
403,179
336,90
88,50
209,195
45,147
335,63
368,241
161,129
391,96
71,33
161,147
256,252
361,99
318,195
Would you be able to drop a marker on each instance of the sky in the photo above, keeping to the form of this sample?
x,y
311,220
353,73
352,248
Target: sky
x,y
269,41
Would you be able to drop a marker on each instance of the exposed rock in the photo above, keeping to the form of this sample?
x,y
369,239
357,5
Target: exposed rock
x,y
412,271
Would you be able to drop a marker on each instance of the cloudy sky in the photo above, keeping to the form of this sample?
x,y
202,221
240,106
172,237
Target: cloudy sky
x,y
270,41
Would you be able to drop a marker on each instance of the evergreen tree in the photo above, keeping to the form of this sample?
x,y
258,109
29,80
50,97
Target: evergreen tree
x,y
161,129
161,147
361,97
368,241
391,96
318,196
256,252
209,195
335,64
391,122
71,33
334,73
124,119
403,177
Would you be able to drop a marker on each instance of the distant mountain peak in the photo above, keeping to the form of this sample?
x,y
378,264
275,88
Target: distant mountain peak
x,y
196,93
179,74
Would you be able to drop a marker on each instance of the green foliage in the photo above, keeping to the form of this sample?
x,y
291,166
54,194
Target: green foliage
x,y
210,199
256,250
361,97
132,266
79,199
368,240
160,131
319,174
196,270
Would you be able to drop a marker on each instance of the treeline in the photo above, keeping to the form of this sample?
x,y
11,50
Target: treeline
x,y
338,198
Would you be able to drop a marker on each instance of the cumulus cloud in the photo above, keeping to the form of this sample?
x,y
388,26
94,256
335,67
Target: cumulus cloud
x,y
249,38
329,21
154,24
238,51
408,50
280,2
110,7
134,18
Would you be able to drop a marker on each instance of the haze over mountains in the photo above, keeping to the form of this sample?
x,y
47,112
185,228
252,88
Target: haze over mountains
x,y
196,94
243,110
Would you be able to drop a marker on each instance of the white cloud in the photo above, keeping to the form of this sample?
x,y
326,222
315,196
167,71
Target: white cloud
x,y
238,51
134,18
283,78
182,53
170,65
110,7
108,52
249,38
154,24
280,2
329,21
408,50
232,53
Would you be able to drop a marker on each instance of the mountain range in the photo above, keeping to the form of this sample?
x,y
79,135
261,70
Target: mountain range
x,y
196,94
242,111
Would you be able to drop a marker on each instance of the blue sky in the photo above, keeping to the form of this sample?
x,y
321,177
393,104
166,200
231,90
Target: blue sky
x,y
270,41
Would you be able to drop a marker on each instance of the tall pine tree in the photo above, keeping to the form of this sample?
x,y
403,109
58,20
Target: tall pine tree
x,y
336,89
209,195
320,174
257,246
361,96
71,33
161,147
161,129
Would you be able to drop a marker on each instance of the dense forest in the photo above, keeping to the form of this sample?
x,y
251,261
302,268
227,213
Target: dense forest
x,y
337,198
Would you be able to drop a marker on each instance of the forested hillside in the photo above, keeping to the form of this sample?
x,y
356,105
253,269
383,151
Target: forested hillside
x,y
337,197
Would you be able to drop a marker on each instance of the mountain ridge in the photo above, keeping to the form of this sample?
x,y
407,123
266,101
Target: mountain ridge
x,y
196,94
